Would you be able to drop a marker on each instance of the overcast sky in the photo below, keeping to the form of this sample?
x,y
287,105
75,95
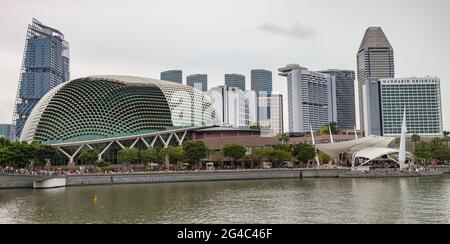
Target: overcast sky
x,y
227,36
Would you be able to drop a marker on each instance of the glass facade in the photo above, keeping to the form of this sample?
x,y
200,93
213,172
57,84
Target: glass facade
x,y
7,131
173,76
261,80
45,65
198,81
345,97
235,80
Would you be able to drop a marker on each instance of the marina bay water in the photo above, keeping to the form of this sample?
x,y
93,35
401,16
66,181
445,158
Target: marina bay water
x,y
388,200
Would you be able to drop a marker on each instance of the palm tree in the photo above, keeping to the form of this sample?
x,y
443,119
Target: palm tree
x,y
415,139
284,138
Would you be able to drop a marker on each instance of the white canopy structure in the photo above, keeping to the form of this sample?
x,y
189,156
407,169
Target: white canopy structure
x,y
372,153
337,148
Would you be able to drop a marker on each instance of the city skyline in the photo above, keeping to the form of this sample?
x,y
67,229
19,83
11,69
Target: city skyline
x,y
304,41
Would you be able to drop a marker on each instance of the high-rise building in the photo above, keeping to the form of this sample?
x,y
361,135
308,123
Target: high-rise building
x,y
235,108
375,60
387,100
345,97
173,76
199,81
7,131
235,80
45,65
270,113
261,80
311,98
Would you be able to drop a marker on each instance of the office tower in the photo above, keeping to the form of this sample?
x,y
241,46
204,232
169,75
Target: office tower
x,y
7,131
261,80
345,97
235,80
388,98
173,76
199,81
311,98
235,108
45,65
375,60
270,113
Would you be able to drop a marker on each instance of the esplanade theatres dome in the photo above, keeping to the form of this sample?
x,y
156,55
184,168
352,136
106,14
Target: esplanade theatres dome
x,y
99,107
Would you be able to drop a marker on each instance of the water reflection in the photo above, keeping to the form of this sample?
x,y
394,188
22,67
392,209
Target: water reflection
x,y
404,200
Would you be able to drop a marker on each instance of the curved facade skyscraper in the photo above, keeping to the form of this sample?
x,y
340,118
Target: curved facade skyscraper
x,y
45,65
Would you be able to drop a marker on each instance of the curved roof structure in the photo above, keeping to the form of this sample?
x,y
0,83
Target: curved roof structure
x,y
99,107
335,149
372,153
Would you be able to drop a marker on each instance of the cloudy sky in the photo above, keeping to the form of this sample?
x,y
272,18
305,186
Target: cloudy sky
x,y
227,36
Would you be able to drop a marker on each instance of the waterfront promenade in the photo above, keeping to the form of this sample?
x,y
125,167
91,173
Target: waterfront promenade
x,y
22,181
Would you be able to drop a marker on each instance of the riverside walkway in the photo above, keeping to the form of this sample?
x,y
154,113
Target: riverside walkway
x,y
7,182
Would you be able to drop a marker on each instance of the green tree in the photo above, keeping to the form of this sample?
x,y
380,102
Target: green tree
x,y
325,130
174,155
304,152
20,154
43,154
195,151
90,156
284,138
259,155
128,156
102,164
152,155
422,151
278,156
324,158
234,151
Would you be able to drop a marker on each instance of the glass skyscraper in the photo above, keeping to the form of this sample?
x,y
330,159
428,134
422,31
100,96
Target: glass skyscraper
x,y
199,81
235,80
7,131
45,65
173,76
345,97
375,60
261,80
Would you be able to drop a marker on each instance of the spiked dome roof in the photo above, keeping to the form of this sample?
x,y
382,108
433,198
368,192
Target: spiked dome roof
x,y
99,107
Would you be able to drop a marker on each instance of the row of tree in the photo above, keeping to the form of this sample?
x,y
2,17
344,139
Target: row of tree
x,y
436,149
191,152
277,155
22,154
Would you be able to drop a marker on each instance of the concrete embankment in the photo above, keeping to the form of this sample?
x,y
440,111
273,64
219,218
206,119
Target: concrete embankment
x,y
196,176
442,168
166,177
18,181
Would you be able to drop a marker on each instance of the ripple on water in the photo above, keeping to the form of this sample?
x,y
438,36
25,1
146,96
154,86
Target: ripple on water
x,y
399,200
